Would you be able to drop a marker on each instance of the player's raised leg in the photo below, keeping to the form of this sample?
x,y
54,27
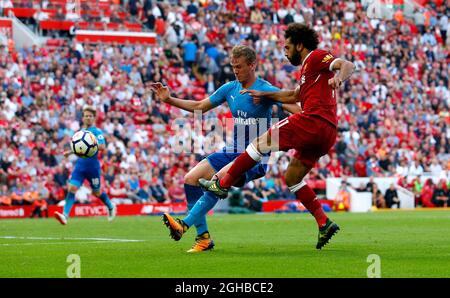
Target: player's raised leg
x,y
94,179
244,162
74,184
295,173
112,209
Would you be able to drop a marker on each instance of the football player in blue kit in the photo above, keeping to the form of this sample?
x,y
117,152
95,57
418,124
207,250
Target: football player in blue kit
x,y
87,169
246,113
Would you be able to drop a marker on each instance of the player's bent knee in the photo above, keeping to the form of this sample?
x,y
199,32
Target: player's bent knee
x,y
72,188
263,144
294,176
253,152
296,171
191,178
293,180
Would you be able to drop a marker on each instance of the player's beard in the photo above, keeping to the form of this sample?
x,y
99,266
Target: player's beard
x,y
296,59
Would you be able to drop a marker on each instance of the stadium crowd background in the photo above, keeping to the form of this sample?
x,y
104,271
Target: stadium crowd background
x,y
394,114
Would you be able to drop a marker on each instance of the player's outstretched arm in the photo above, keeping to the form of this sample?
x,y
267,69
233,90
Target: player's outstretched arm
x,y
345,68
292,108
67,153
284,96
163,93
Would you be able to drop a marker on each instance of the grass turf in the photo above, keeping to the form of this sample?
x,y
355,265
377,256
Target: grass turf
x,y
409,243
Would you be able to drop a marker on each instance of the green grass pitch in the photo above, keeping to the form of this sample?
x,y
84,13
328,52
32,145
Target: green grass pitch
x,y
409,244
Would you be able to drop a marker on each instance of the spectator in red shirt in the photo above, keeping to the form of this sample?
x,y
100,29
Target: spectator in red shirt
x,y
335,168
427,194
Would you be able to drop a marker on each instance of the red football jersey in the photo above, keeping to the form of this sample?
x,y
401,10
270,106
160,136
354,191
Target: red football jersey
x,y
316,96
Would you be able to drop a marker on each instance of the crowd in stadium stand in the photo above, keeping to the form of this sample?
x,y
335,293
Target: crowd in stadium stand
x,y
48,15
394,113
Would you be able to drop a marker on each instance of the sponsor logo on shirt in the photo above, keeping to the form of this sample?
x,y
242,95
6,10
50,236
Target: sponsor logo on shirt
x,y
327,58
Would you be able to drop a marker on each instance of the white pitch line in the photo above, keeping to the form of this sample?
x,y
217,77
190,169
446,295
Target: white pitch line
x,y
52,243
71,238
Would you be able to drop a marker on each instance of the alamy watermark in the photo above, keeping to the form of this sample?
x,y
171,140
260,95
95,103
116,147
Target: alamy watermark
x,y
74,269
386,9
202,134
374,269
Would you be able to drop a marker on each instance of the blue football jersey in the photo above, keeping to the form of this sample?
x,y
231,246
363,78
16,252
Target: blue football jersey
x,y
92,162
250,120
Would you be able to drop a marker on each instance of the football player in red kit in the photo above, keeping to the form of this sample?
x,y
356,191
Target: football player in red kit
x,y
311,132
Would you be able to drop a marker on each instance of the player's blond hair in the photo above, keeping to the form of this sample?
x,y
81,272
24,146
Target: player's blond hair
x,y
244,51
90,109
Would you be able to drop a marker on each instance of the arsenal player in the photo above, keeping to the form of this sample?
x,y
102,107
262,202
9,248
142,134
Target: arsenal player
x,y
311,132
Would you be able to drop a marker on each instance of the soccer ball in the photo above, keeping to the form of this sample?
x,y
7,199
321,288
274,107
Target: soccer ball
x,y
84,144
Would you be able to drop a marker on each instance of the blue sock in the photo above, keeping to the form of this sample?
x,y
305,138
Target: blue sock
x,y
193,194
70,200
105,199
200,209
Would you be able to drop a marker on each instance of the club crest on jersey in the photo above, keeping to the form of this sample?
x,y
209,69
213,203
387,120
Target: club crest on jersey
x,y
302,80
327,58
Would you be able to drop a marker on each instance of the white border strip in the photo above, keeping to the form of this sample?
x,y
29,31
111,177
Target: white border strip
x,y
115,33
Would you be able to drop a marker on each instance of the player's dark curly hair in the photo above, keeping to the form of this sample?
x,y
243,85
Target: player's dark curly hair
x,y
302,34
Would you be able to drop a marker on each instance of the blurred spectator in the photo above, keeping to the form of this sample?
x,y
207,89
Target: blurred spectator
x,y
361,187
143,195
71,11
417,187
256,16
39,208
281,191
435,168
415,169
118,193
342,200
133,8
253,197
377,197
323,170
190,53
426,195
192,8
159,192
17,195
391,197
45,4
237,203
441,194
5,196
59,15
370,185
335,168
176,192
5,4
